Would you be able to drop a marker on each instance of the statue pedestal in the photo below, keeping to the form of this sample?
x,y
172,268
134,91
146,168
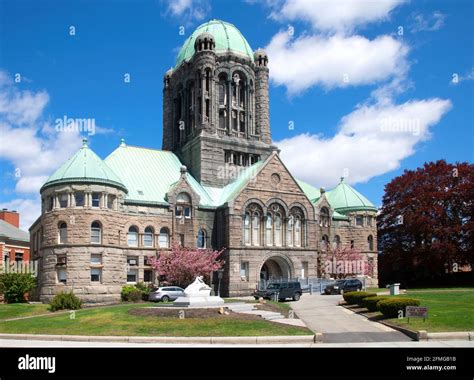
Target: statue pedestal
x,y
199,301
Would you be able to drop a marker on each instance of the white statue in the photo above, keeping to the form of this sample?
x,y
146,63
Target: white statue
x,y
198,288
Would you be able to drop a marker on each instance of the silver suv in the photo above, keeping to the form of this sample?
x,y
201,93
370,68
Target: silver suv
x,y
165,294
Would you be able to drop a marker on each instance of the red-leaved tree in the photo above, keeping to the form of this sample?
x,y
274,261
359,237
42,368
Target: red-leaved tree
x,y
181,265
425,227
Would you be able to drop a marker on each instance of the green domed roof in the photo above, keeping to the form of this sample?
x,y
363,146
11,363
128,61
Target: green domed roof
x,y
84,167
226,36
343,198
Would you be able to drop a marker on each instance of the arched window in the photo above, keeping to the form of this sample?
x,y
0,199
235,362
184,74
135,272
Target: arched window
x,y
164,239
148,237
252,225
324,217
289,230
247,226
132,236
336,242
256,228
62,233
298,231
183,206
96,233
278,230
201,238
324,242
269,229
370,242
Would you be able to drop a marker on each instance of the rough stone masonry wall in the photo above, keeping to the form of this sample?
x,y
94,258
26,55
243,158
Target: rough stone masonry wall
x,y
264,190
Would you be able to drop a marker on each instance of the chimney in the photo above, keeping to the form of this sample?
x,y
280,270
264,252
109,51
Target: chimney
x,y
11,217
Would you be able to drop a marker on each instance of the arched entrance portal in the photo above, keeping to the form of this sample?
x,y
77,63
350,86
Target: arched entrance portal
x,y
275,268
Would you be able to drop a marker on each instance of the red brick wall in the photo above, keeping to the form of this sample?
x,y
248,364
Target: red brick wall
x,y
10,217
11,252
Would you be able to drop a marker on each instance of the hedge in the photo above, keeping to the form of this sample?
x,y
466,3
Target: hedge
x,y
356,297
371,302
390,307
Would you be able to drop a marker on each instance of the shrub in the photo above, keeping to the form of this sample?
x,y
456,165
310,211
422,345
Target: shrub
x,y
371,302
131,293
14,286
65,301
144,288
391,306
356,297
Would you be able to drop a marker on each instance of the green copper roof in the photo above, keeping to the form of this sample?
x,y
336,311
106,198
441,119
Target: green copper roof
x,y
343,198
311,192
226,36
84,167
149,174
227,193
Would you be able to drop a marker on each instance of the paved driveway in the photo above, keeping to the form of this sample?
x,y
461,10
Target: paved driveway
x,y
321,313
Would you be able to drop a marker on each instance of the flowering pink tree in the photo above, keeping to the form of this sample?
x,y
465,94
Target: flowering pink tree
x,y
181,265
344,262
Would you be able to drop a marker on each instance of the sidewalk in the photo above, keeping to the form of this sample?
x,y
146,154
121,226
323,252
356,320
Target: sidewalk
x,y
322,314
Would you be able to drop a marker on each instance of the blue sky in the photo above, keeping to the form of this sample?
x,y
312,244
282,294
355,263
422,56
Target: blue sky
x,y
366,98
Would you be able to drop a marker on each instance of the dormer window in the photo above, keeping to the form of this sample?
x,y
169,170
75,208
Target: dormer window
x,y
183,206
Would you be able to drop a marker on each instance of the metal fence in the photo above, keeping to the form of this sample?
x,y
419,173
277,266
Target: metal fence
x,y
308,284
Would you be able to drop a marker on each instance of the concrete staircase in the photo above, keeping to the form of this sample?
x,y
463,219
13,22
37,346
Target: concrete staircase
x,y
248,308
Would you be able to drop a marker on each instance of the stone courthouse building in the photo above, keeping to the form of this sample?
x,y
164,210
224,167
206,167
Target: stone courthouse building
x,y
218,183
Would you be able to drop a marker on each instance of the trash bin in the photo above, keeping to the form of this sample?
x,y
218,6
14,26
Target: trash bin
x,y
394,289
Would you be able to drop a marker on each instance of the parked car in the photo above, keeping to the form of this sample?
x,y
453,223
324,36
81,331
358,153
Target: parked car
x,y
165,293
284,289
344,286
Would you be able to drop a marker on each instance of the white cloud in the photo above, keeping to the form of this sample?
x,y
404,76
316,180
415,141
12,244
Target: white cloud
x,y
188,10
29,210
372,140
431,23
334,61
334,15
30,144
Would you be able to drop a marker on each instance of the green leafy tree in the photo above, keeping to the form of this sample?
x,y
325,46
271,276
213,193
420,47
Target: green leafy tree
x,y
14,286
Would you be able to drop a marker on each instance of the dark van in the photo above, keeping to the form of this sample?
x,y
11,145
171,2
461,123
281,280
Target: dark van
x,y
290,289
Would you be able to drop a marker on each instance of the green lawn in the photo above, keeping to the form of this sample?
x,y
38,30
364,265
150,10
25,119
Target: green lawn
x,y
16,310
451,310
377,290
116,320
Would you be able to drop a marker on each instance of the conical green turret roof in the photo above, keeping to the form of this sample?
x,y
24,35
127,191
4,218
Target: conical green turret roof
x,y
344,198
84,167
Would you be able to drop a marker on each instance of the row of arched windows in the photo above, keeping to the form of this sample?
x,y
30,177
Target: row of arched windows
x,y
279,230
336,242
148,239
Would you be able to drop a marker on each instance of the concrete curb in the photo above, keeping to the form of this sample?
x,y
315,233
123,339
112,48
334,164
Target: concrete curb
x,y
296,339
410,333
455,335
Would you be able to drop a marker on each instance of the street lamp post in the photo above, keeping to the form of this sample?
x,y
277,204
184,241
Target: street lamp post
x,y
220,273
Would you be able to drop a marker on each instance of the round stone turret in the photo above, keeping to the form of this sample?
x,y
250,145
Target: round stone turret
x,y
204,42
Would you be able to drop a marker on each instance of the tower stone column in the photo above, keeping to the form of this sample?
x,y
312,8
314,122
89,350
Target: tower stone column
x,y
262,110
167,111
